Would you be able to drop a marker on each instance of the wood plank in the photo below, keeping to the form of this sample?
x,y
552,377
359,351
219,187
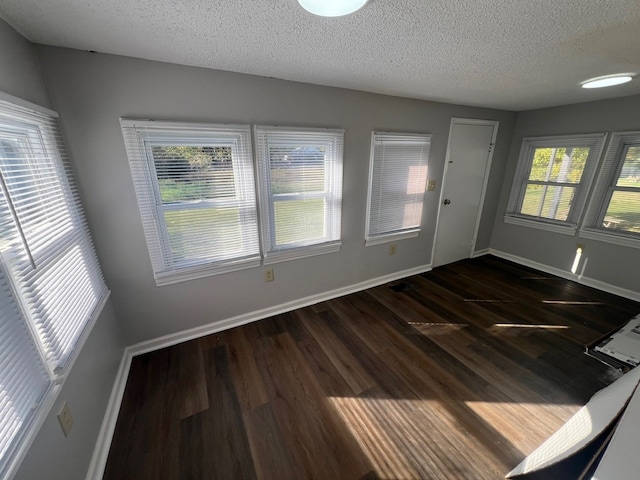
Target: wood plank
x,y
456,373
213,442
273,454
244,371
320,326
305,418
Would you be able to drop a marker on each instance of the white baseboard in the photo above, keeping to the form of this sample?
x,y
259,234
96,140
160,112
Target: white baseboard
x,y
197,332
589,282
103,444
479,253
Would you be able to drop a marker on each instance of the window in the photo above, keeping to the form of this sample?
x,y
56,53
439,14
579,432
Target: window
x,y
196,194
614,211
300,189
552,181
51,287
397,180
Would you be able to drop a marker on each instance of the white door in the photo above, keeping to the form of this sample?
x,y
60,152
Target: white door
x,y
465,176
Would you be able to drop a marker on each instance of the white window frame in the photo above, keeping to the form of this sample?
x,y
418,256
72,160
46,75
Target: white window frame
x,y
595,142
604,187
377,139
140,136
332,140
52,286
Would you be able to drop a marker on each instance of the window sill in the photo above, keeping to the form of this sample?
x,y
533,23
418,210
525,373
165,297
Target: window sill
x,y
566,229
301,252
201,271
610,237
390,237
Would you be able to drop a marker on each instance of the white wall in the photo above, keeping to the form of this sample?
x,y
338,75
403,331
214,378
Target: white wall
x,y
87,389
92,91
612,264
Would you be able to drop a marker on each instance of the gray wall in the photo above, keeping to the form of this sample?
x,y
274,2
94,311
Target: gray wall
x,y
92,91
606,262
89,384
20,74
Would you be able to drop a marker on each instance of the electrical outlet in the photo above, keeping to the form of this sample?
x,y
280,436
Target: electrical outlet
x,y
392,249
431,185
65,419
268,275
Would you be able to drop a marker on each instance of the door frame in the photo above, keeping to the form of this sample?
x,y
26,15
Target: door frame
x,y
485,181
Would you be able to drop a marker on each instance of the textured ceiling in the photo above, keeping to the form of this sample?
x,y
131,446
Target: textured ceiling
x,y
507,54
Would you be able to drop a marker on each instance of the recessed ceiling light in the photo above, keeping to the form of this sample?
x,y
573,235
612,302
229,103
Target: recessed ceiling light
x,y
332,8
608,81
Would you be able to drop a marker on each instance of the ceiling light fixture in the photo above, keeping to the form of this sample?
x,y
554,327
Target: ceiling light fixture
x,y
332,8
607,81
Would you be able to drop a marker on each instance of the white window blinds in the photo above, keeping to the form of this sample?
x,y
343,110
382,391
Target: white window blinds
x,y
300,186
23,378
397,181
51,287
552,180
614,210
46,244
196,194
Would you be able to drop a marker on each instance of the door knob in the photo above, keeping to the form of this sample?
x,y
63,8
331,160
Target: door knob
x,y
447,201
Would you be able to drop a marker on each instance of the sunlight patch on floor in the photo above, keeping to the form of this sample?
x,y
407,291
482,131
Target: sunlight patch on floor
x,y
570,302
373,438
526,325
525,425
428,328
486,300
397,436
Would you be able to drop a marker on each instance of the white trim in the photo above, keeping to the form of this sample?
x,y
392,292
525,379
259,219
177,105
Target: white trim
x,y
568,140
589,282
193,273
485,180
391,237
474,121
480,253
168,269
487,172
402,134
566,229
425,139
605,185
5,97
332,140
595,142
108,427
337,131
161,124
610,237
83,338
103,443
284,255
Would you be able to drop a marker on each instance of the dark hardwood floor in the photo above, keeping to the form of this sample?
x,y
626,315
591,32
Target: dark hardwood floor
x,y
458,373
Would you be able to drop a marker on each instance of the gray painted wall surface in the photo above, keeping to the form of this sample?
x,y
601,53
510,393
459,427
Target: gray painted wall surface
x,y
20,74
92,91
88,386
613,264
